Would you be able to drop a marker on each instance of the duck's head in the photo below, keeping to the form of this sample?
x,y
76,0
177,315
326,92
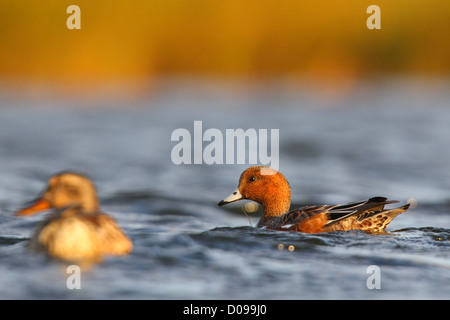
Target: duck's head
x,y
265,186
64,190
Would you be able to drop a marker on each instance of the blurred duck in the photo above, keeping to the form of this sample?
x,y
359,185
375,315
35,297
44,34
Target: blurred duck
x,y
76,230
271,189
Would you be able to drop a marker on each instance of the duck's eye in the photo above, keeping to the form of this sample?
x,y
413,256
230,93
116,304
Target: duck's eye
x,y
252,179
72,191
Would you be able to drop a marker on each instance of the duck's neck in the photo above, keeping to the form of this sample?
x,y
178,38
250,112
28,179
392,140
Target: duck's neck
x,y
89,208
276,206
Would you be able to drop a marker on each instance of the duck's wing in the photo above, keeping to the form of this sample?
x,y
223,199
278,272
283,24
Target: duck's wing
x,y
368,215
114,240
297,216
359,210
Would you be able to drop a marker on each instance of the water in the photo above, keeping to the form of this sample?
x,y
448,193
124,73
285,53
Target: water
x,y
388,139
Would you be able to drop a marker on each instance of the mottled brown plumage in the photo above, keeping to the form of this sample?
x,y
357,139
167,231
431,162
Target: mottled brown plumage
x,y
76,230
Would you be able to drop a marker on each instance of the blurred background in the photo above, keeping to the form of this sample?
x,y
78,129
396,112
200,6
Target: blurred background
x,y
360,113
132,45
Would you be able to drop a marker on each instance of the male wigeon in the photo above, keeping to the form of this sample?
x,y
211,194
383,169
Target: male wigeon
x,y
76,230
271,189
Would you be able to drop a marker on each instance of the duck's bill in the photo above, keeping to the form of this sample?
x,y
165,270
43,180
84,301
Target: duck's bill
x,y
235,196
35,207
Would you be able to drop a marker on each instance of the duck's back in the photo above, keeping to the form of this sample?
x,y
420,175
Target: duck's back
x,y
76,236
368,215
113,239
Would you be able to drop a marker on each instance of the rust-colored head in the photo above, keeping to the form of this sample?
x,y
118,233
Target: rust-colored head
x,y
63,190
265,186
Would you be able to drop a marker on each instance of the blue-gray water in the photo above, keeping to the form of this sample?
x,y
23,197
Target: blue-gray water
x,y
391,139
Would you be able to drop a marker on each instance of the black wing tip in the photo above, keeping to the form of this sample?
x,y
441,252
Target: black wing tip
x,y
377,199
381,200
406,206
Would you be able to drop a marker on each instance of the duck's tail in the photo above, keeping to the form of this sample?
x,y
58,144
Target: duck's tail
x,y
368,215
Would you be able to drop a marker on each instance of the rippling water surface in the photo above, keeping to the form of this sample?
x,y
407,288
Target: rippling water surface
x,y
390,140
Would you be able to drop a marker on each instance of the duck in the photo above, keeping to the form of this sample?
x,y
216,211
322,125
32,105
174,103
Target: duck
x,y
76,229
272,191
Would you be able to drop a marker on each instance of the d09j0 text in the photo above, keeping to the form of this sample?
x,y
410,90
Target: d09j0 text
x,y
252,309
